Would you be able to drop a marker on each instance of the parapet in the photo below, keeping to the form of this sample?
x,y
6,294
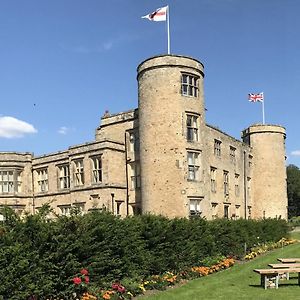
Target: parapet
x,y
170,61
262,128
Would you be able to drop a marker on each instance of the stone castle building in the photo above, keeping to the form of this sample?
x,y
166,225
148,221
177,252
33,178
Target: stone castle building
x,y
161,158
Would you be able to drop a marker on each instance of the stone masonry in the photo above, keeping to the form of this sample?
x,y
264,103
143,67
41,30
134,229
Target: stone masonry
x,y
160,158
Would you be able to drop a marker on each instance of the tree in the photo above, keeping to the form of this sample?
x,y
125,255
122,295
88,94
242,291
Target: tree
x,y
293,190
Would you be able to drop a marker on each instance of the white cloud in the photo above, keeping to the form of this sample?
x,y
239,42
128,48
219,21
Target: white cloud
x,y
295,153
11,127
63,130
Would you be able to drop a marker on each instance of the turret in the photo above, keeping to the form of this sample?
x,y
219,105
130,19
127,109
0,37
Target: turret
x,y
170,100
268,179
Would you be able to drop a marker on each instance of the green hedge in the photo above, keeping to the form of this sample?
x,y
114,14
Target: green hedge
x,y
40,256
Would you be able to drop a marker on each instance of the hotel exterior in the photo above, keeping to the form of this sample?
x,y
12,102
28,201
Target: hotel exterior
x,y
161,158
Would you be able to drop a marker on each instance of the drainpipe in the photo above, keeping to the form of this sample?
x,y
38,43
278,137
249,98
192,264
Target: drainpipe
x,y
126,172
245,185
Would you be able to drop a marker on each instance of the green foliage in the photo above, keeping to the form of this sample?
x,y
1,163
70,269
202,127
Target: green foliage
x,y
293,189
40,257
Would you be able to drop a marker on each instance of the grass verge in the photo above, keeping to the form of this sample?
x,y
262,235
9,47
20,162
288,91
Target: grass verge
x,y
238,282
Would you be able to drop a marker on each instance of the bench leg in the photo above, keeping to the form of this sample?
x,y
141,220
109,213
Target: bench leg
x,y
298,278
276,281
264,281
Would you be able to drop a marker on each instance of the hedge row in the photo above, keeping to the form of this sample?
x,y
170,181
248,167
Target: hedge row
x,y
40,256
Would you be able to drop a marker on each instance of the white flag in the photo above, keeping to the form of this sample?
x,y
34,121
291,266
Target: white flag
x,y
159,15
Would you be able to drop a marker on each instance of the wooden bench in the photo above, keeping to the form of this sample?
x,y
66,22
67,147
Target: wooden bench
x,y
268,276
289,260
287,265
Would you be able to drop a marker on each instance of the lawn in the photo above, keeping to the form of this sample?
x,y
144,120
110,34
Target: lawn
x,y
238,282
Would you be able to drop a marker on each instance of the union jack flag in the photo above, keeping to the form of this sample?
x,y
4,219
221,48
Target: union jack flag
x,y
256,97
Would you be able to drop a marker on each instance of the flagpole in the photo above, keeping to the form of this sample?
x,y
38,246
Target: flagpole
x,y
168,28
263,109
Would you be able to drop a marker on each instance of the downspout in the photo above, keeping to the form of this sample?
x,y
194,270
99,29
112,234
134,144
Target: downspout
x,y
33,198
126,172
245,186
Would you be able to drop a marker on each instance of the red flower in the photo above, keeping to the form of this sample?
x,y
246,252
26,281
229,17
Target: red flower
x,y
87,279
115,286
84,272
77,280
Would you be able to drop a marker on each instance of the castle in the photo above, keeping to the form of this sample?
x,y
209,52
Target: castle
x,y
160,158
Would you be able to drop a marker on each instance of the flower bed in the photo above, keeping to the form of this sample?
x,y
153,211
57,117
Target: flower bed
x,y
260,249
119,291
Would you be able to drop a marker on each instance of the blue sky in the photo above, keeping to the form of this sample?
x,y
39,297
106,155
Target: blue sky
x,y
64,62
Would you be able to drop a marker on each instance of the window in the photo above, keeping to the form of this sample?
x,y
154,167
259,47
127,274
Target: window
x,y
189,85
193,165
195,207
135,176
42,180
236,185
232,151
192,128
65,210
64,177
97,169
213,183
226,183
7,182
217,148
226,211
134,142
78,172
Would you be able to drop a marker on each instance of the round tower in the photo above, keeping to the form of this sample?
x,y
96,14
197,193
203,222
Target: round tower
x,y
170,90
268,196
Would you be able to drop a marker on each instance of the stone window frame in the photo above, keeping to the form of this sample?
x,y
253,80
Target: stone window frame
x,y
42,179
194,203
226,211
226,183
189,85
213,179
97,169
217,147
193,162
63,176
65,209
11,180
232,154
192,127
78,171
236,185
135,177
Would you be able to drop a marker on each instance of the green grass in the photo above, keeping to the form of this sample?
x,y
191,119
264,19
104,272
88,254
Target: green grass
x,y
238,282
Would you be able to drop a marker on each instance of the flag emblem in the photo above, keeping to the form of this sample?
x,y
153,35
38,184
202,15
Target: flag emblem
x,y
159,15
256,97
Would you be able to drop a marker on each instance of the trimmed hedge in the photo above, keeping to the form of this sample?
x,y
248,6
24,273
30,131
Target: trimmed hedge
x,y
40,256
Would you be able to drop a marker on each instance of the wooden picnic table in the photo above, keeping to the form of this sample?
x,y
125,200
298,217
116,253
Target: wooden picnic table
x,y
289,260
270,274
287,265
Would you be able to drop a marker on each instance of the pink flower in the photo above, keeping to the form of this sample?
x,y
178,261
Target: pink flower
x,y
115,286
87,279
121,289
84,272
76,280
